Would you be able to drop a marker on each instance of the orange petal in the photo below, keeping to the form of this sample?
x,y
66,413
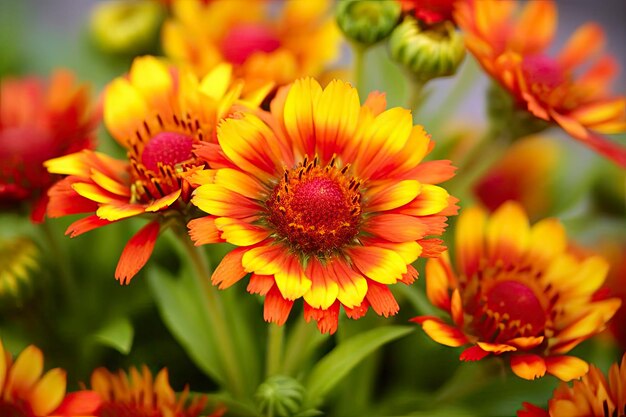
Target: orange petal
x,y
327,320
381,299
438,282
600,111
496,348
441,332
526,343
431,200
298,114
220,201
387,197
276,309
48,393
239,182
381,265
118,210
64,200
474,353
376,102
547,240
507,234
230,270
528,366
95,193
85,225
163,202
260,284
352,286
433,172
396,227
124,109
324,288
203,231
587,41
566,368
535,27
240,233
80,403
290,277
137,252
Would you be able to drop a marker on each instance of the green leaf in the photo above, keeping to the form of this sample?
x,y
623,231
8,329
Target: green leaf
x,y
117,333
333,367
184,313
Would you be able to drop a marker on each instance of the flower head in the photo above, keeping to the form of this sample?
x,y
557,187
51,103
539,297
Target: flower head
x,y
517,292
25,392
523,174
593,396
41,122
301,41
138,394
513,51
159,116
429,12
328,201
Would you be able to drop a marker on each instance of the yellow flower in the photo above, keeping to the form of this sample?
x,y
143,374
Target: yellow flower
x,y
517,292
328,201
25,392
301,41
158,114
593,396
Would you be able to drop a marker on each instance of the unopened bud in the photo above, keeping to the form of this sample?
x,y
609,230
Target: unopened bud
x,y
280,396
427,53
367,21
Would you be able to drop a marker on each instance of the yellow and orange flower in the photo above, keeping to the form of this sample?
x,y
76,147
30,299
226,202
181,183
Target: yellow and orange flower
x,y
24,392
137,394
301,41
593,396
518,293
328,201
523,174
41,122
513,51
158,115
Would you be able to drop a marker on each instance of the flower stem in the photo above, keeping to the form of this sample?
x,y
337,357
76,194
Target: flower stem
x,y
358,69
302,340
275,339
62,262
216,315
416,96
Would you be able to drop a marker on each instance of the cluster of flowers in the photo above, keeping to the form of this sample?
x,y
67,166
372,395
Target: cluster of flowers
x,y
327,199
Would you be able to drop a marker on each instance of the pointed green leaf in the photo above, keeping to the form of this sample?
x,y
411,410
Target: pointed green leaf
x,y
333,367
116,333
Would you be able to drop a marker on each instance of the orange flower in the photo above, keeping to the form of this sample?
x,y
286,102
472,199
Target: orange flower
x,y
429,11
518,292
523,174
328,201
39,122
301,41
24,392
513,51
593,396
136,394
158,116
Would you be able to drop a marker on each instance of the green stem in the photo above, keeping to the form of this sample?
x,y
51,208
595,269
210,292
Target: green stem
x,y
359,67
416,96
418,300
61,260
217,317
302,340
467,380
275,340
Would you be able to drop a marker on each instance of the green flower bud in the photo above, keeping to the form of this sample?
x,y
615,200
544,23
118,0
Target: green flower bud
x,y
367,21
508,118
427,53
126,27
18,262
280,396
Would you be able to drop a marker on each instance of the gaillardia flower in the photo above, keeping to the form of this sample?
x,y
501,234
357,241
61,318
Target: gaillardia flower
x,y
517,293
328,201
158,115
593,396
137,394
39,122
524,174
301,41
24,392
513,51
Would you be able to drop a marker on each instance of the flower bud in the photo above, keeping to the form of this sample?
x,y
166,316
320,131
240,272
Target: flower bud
x,y
436,51
126,27
18,261
280,396
367,21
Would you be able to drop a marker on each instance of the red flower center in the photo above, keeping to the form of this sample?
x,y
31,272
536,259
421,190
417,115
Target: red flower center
x,y
127,410
517,307
543,71
243,41
167,148
316,209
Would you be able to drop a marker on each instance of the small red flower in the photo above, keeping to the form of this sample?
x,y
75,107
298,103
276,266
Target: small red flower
x,y
39,122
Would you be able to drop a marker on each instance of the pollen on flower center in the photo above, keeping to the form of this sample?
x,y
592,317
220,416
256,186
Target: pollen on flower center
x,y
243,41
168,148
543,71
316,209
516,302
